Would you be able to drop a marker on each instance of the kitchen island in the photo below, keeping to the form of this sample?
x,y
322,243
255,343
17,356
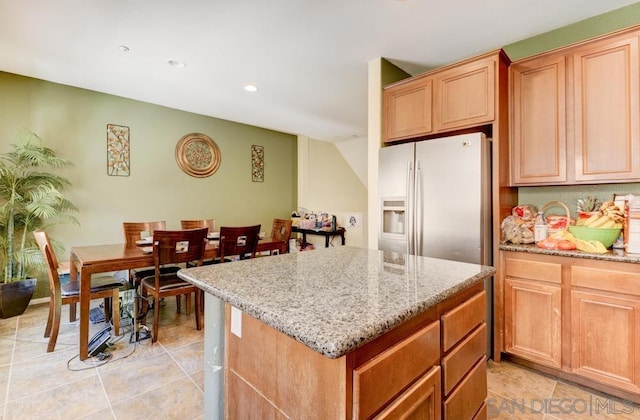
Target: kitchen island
x,y
344,333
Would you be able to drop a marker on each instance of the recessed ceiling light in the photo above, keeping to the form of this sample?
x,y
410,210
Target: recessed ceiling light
x,y
176,63
251,88
123,48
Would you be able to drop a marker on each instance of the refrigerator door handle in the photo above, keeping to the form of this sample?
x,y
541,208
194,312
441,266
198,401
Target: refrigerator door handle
x,y
418,209
409,218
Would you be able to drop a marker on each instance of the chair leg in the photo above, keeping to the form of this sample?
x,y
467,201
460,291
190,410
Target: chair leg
x,y
52,308
115,311
72,313
55,325
188,300
156,319
178,302
107,309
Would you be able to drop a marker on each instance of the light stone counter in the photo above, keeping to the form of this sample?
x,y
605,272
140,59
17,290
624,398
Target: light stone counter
x,y
335,300
616,255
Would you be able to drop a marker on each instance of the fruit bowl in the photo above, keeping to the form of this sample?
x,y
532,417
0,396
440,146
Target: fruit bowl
x,y
606,236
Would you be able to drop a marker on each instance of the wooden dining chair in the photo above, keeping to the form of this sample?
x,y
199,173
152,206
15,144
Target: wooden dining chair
x,y
102,287
238,241
174,247
281,231
195,224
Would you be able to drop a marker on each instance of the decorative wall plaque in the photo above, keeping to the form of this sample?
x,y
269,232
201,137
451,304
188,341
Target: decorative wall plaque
x,y
118,150
198,155
257,163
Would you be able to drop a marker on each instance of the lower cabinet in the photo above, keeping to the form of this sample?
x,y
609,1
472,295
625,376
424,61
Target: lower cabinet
x,y
431,367
579,316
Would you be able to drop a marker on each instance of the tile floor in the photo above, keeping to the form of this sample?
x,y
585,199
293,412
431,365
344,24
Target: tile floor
x,y
517,392
166,380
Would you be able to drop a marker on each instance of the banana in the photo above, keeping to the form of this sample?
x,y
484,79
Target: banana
x,y
591,219
608,225
599,222
618,225
580,222
606,204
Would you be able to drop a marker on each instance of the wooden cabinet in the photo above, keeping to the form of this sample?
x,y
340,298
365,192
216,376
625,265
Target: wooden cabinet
x,y
455,97
532,309
605,324
575,113
420,401
397,375
464,343
538,118
607,110
407,109
465,95
579,317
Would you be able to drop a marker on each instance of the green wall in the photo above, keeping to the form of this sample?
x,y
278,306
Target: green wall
x,y
589,28
73,122
585,29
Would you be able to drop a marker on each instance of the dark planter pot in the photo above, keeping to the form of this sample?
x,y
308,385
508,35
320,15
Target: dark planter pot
x,y
15,297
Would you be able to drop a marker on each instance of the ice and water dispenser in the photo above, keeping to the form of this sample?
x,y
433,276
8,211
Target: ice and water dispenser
x,y
393,217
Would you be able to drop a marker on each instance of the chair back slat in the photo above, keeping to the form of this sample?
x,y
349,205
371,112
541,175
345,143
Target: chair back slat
x,y
179,246
241,241
132,230
194,224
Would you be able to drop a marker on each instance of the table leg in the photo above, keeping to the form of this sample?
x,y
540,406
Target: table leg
x,y
342,237
326,241
85,289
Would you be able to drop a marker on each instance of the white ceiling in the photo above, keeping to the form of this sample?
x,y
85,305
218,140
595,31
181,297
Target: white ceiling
x,y
308,57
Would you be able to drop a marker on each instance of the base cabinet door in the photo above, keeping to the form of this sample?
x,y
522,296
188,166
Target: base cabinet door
x,y
421,401
606,338
533,320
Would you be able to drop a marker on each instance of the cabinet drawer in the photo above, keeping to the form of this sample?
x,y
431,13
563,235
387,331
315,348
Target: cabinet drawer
x,y
395,368
609,280
460,321
467,399
533,270
422,400
463,357
482,413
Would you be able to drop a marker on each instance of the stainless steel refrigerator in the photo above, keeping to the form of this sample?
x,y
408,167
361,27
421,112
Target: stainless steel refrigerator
x,y
435,201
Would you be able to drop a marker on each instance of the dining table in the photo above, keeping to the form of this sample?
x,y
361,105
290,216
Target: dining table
x,y
88,260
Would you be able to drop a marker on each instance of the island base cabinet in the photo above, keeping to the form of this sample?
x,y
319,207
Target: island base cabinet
x,y
420,401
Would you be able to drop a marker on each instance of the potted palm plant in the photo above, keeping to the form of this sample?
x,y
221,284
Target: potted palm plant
x,y
30,199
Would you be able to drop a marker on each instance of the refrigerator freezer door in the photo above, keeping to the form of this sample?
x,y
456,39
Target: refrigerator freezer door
x,y
453,187
395,184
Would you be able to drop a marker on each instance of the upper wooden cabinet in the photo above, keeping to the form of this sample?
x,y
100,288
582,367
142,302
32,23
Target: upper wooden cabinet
x,y
407,109
538,132
575,114
606,110
465,95
455,97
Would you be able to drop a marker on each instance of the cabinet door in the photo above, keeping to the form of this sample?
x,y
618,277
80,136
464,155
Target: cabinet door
x,y
533,321
421,401
465,95
538,130
605,340
606,95
407,109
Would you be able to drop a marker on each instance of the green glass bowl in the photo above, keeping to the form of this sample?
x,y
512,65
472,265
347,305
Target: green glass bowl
x,y
606,236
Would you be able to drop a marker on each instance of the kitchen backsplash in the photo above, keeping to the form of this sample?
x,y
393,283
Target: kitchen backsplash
x,y
539,196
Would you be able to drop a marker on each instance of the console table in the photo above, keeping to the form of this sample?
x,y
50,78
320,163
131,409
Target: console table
x,y
326,233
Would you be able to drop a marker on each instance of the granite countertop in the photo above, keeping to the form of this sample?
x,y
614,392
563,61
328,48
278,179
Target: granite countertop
x,y
335,300
617,255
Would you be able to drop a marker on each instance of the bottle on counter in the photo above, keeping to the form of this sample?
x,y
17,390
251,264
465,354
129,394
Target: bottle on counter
x,y
540,228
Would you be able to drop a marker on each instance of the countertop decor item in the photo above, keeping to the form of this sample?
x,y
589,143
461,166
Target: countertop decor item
x,y
198,155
